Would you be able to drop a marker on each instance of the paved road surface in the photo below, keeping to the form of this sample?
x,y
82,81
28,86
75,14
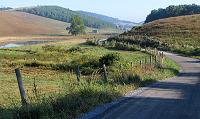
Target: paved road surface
x,y
178,98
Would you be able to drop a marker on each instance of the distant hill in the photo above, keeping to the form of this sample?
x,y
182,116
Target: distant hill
x,y
63,14
116,21
5,8
14,23
178,34
173,11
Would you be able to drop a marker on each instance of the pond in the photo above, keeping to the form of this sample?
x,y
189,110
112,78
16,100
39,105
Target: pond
x,y
26,43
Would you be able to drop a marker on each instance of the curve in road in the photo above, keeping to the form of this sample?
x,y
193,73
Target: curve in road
x,y
176,98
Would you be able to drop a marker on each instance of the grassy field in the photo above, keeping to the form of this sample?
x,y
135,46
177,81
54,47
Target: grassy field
x,y
13,23
49,77
176,34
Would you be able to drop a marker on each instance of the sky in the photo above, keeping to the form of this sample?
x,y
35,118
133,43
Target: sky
x,y
132,10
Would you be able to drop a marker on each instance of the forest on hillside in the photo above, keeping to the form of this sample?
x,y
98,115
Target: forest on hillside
x,y
63,14
5,8
173,11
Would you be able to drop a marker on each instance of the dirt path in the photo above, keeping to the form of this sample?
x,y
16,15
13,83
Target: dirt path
x,y
176,98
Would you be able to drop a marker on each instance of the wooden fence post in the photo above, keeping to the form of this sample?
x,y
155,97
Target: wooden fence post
x,y
21,87
105,76
132,65
155,59
78,74
150,60
141,64
162,58
122,71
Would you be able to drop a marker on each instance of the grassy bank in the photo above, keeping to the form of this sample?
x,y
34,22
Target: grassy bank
x,y
176,34
52,87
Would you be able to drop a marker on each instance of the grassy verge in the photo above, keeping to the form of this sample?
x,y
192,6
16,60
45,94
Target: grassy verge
x,y
183,45
51,85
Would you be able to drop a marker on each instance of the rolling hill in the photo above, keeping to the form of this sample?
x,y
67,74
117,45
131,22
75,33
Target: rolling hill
x,y
5,8
65,15
14,23
116,21
178,34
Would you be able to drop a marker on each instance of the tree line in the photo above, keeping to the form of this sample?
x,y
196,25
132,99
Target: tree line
x,y
173,11
63,14
5,8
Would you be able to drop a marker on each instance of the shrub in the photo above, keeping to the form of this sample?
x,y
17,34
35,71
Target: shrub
x,y
126,46
91,42
121,46
37,63
196,52
109,59
87,70
61,66
52,48
147,42
87,63
127,77
75,49
137,28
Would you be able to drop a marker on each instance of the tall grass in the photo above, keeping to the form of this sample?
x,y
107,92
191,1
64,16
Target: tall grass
x,y
73,98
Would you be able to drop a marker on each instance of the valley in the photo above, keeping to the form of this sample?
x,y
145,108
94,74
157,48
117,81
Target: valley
x,y
79,64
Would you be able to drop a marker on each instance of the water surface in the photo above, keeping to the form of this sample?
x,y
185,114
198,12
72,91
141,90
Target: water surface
x,y
25,43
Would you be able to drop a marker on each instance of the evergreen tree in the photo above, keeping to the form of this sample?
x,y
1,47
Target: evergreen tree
x,y
77,26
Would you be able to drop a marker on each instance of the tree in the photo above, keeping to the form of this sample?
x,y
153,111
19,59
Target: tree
x,y
173,11
77,26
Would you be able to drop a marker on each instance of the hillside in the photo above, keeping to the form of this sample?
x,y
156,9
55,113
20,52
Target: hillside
x,y
173,11
63,14
177,34
5,8
125,25
20,23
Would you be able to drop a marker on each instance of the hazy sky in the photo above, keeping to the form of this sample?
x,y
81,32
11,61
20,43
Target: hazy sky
x,y
134,10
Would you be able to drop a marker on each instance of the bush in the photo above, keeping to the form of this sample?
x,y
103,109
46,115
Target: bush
x,y
52,48
147,42
196,52
109,59
121,46
127,77
37,63
87,70
61,66
91,42
75,49
125,46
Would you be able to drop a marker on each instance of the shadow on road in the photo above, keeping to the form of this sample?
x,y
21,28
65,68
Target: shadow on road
x,y
164,100
197,61
189,74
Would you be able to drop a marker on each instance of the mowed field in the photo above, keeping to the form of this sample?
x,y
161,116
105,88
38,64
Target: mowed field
x,y
14,23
